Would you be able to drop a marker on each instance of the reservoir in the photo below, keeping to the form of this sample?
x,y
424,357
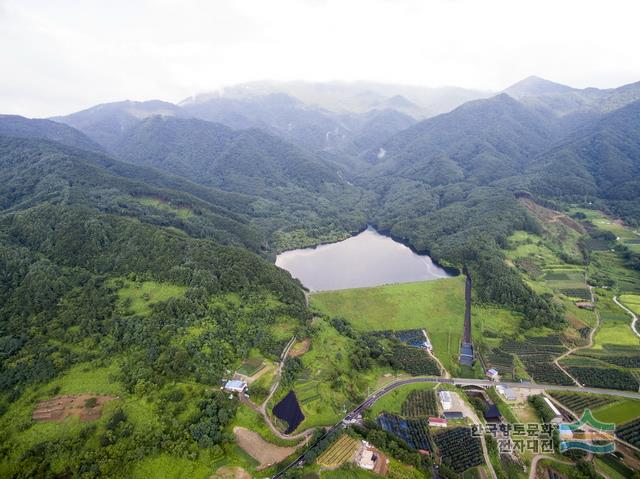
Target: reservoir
x,y
367,259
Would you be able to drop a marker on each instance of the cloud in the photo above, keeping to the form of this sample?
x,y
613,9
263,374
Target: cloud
x,y
66,55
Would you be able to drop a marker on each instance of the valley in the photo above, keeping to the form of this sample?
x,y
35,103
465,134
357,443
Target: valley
x,y
239,284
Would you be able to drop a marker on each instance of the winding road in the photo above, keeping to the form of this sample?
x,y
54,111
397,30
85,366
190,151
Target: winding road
x,y
634,321
457,382
592,333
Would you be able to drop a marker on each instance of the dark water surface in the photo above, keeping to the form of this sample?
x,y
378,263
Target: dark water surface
x,y
367,259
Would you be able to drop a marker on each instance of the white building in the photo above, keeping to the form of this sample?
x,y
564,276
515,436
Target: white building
x,y
493,374
445,400
557,414
235,386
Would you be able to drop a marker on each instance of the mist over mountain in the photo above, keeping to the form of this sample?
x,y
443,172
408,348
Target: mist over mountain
x,y
564,100
105,123
20,127
356,97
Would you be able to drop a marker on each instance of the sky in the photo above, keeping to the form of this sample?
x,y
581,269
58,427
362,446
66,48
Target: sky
x,y
61,56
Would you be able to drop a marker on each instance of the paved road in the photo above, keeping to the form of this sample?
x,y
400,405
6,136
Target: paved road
x,y
457,382
634,318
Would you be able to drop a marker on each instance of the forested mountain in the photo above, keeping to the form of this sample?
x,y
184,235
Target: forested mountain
x,y
600,160
563,100
139,253
105,123
33,172
20,127
277,113
480,141
249,161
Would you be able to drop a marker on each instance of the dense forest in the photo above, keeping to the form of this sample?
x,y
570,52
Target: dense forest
x,y
157,196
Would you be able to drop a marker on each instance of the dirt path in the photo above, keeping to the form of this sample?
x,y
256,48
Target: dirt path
x,y
634,322
443,371
538,457
592,333
262,408
469,412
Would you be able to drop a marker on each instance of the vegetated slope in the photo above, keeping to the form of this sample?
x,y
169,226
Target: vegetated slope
x,y
599,160
73,236
297,195
37,171
277,113
213,154
21,127
378,126
437,190
480,141
563,100
105,123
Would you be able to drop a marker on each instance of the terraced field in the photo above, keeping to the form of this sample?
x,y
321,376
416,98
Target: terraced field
x,y
340,452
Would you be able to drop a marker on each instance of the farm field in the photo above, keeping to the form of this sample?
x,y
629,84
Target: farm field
x,y
631,301
619,412
262,451
393,401
415,432
459,449
436,306
250,366
340,452
421,403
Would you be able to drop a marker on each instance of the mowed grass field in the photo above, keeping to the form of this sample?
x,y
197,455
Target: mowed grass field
x,y
436,306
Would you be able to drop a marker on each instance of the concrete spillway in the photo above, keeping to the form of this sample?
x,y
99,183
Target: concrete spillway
x,y
466,345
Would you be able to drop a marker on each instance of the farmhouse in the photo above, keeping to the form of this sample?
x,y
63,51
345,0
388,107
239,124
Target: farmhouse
x,y
445,400
506,392
437,422
235,386
367,456
493,374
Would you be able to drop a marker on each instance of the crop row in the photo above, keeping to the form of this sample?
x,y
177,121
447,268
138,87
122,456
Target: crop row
x,y
542,370
605,378
582,293
630,432
420,403
415,432
340,451
580,402
414,361
459,449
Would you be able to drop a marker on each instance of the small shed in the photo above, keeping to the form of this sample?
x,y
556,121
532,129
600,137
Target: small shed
x,y
493,374
492,414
